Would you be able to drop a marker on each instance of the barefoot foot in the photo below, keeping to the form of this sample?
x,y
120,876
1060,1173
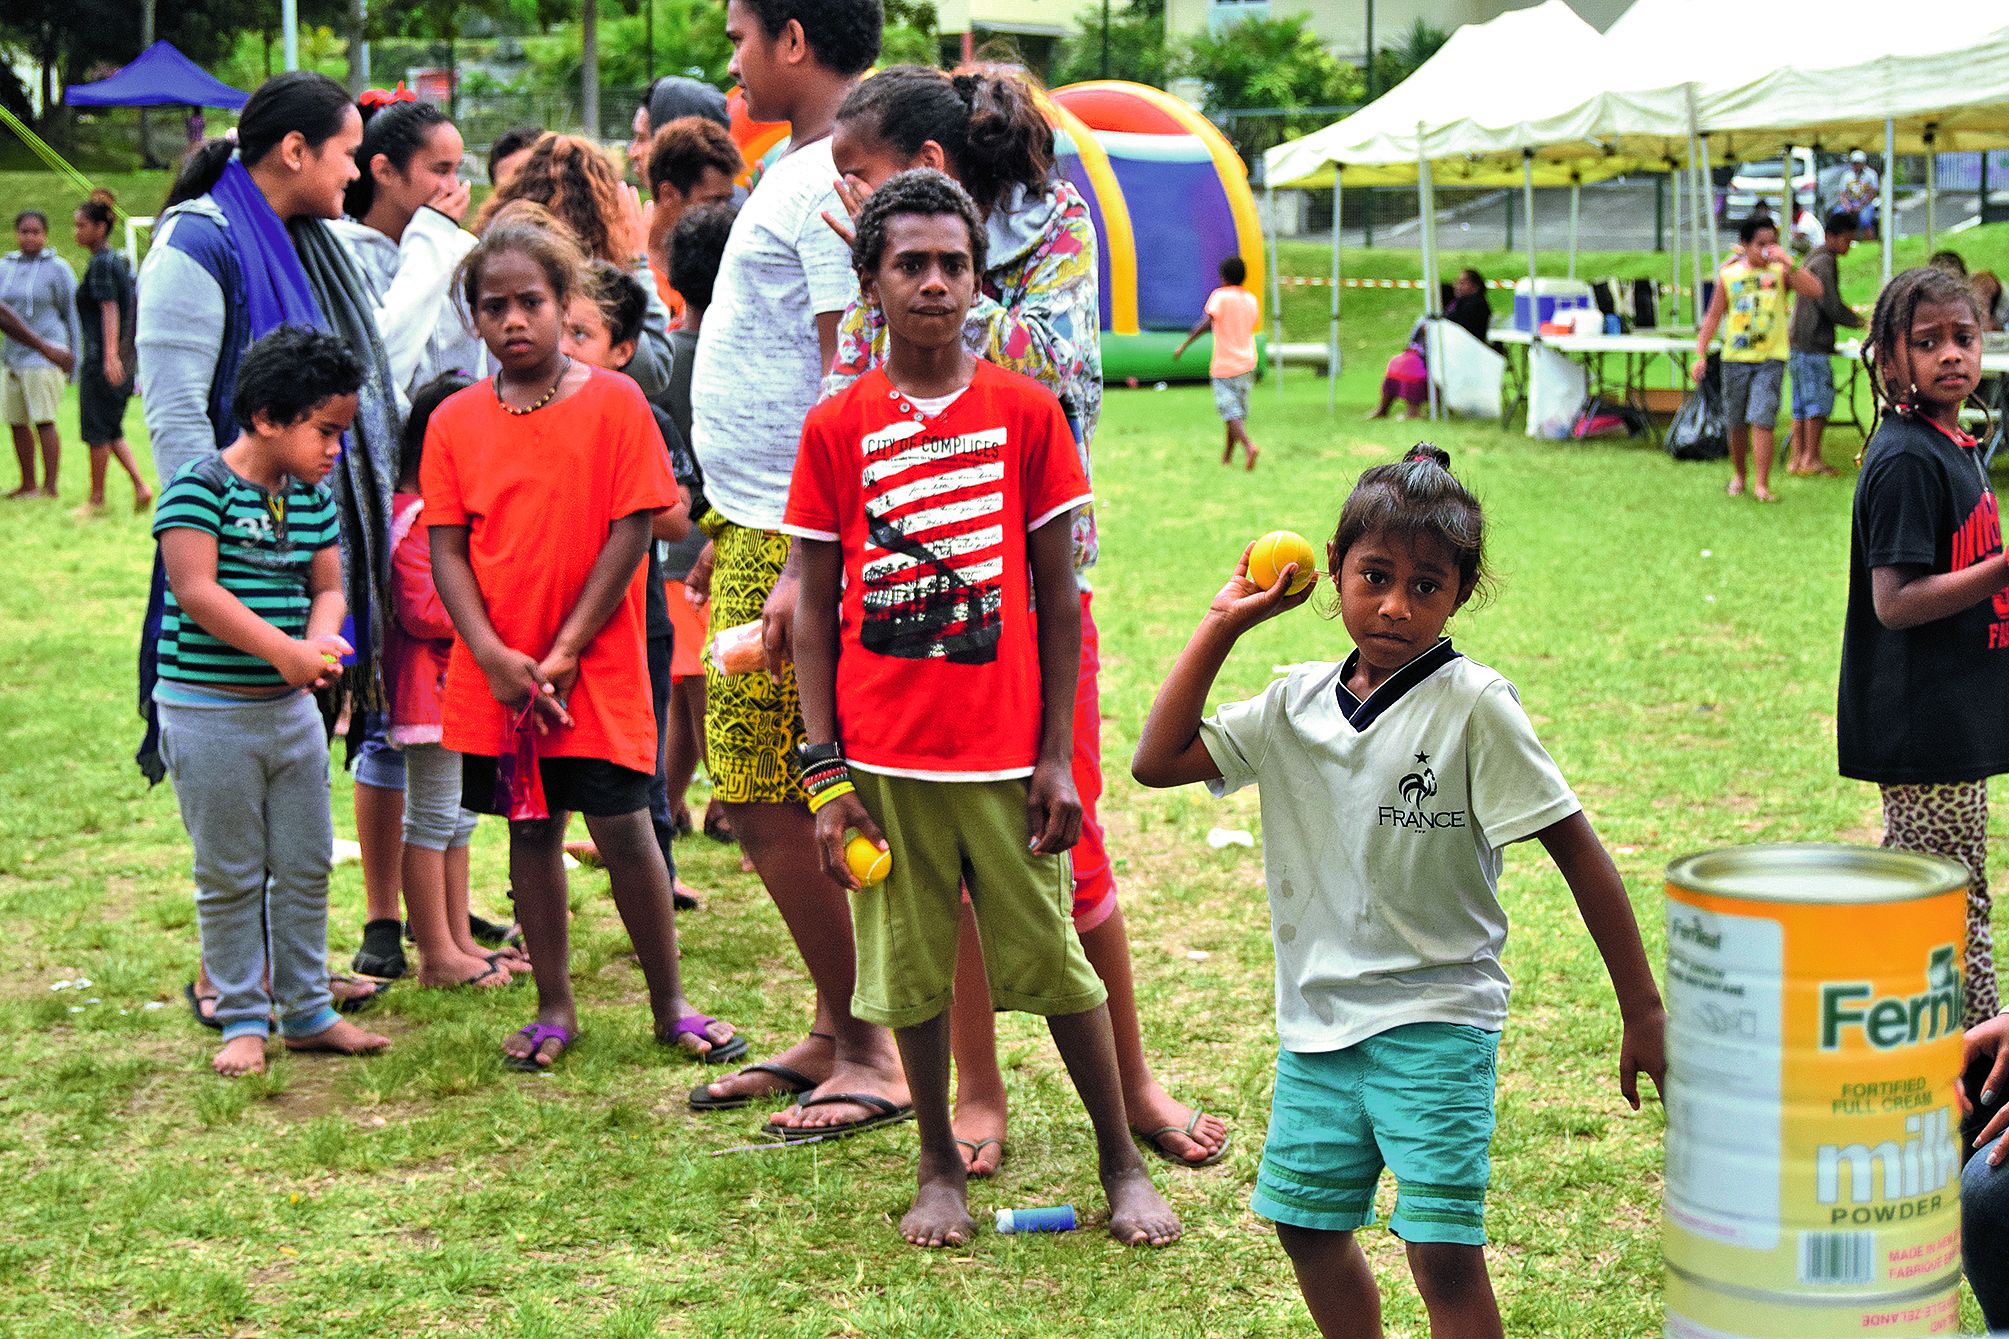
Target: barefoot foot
x,y
1138,1214
344,1038
1735,488
240,1056
941,1214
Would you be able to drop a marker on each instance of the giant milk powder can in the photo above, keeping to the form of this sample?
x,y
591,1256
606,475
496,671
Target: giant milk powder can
x,y
1813,1161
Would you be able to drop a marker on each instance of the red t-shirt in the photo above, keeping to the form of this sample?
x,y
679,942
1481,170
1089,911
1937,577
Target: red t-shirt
x,y
537,492
937,662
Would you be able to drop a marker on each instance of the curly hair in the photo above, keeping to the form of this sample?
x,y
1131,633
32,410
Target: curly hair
x,y
696,247
290,373
622,300
680,152
843,34
985,118
526,228
1418,497
920,190
579,184
1886,355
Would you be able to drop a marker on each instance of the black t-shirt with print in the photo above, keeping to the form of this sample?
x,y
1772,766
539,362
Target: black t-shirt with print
x,y
1931,703
106,279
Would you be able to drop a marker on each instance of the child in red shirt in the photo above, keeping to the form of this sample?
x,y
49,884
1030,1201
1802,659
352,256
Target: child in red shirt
x,y
933,499
417,643
540,486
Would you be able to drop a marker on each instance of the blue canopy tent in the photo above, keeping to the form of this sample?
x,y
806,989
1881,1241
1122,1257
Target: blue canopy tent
x,y
160,76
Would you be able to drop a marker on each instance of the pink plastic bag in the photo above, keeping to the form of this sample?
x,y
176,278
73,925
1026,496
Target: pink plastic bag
x,y
519,785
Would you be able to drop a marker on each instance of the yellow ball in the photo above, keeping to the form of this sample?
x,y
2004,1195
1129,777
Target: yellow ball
x,y
869,864
1278,550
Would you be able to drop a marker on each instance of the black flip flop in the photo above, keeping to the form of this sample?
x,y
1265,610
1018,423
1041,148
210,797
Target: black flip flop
x,y
797,1082
888,1112
355,1004
486,931
195,999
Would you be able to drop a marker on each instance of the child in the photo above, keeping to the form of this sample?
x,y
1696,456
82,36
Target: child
x,y
540,486
436,828
254,599
1232,313
695,248
924,498
105,365
1812,341
1923,709
1750,305
602,323
1390,783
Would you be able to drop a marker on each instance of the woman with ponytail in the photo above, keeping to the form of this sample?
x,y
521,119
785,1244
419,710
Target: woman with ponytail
x,y
401,223
106,357
247,249
1037,314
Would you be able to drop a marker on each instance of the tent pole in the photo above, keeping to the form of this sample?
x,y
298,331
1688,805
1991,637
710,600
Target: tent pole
x,y
1698,201
1931,183
1674,278
1576,205
1276,295
1534,299
1707,201
1886,216
1788,203
1426,219
289,29
1332,340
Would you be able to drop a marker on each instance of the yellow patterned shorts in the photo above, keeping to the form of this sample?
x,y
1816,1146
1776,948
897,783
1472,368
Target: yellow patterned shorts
x,y
753,725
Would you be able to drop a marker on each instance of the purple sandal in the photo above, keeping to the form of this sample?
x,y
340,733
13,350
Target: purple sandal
x,y
539,1033
721,1052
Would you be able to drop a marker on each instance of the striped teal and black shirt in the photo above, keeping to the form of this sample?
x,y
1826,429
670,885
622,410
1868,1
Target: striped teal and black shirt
x,y
265,547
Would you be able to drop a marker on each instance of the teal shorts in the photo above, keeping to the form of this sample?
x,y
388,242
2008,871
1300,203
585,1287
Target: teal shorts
x,y
1417,1100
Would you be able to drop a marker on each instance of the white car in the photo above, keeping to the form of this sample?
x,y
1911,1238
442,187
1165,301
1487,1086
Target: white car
x,y
1759,181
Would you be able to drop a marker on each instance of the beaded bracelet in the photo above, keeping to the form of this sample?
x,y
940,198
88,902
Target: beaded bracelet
x,y
829,793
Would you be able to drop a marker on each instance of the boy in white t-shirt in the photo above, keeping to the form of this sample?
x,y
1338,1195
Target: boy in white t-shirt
x,y
1390,783
783,281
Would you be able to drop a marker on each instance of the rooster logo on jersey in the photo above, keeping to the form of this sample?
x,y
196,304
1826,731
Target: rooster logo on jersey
x,y
1419,785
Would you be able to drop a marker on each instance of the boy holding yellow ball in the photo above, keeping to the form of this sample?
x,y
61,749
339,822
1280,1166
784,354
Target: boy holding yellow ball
x,y
932,501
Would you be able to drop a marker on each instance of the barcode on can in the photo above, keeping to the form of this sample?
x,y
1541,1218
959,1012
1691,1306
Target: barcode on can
x,y
1837,1257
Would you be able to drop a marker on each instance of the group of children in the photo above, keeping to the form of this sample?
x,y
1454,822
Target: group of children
x,y
933,501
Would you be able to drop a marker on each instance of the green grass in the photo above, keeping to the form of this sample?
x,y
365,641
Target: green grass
x,y
1676,651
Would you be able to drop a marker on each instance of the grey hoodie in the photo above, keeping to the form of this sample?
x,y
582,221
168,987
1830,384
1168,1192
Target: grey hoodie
x,y
43,289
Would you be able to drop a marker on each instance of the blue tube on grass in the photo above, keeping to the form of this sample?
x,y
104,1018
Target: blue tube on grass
x,y
1054,1218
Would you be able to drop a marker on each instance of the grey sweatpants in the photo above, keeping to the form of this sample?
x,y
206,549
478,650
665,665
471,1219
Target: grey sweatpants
x,y
252,781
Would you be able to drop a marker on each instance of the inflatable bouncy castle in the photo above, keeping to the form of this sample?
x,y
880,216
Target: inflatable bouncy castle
x,y
1170,199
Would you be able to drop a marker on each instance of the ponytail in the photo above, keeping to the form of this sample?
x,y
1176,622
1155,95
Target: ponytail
x,y
1009,141
397,132
299,100
985,119
101,208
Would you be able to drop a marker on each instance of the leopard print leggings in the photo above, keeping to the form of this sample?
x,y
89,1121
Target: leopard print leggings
x,y
1952,820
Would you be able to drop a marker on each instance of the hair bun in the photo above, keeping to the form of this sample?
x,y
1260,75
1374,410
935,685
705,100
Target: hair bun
x,y
101,196
1436,455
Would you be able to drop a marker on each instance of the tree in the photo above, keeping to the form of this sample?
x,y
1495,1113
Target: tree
x,y
1394,64
1268,64
910,36
1136,46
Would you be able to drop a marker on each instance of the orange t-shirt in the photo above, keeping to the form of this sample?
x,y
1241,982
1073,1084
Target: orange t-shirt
x,y
537,493
1235,314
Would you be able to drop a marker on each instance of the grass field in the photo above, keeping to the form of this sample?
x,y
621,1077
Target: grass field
x,y
1676,650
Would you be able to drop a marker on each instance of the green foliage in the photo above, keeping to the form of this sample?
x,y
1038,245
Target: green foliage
x,y
689,38
1267,63
1394,64
1136,46
911,36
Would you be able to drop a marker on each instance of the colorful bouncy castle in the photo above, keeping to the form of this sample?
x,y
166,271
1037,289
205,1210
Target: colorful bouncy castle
x,y
1171,201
